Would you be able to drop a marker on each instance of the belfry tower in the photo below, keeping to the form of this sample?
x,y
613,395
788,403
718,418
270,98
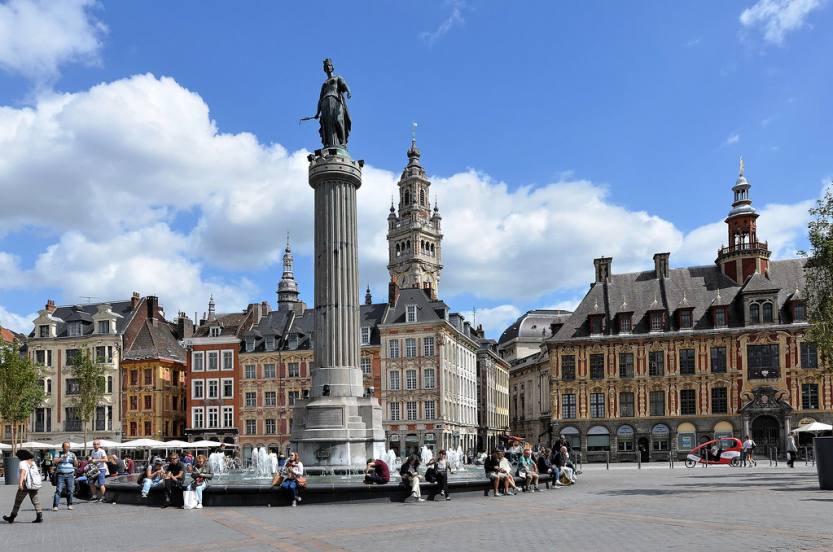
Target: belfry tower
x,y
745,255
288,294
414,233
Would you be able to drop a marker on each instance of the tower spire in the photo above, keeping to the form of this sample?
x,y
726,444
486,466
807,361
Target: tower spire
x,y
211,312
287,286
368,298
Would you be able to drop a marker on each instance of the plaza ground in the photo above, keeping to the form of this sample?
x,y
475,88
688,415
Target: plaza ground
x,y
655,508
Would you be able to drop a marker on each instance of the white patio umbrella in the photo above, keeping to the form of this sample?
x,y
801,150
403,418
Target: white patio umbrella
x,y
4,446
177,444
38,445
205,444
105,444
814,427
143,444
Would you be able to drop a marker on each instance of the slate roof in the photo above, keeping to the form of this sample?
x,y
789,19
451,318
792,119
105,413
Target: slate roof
x,y
233,324
531,323
428,310
155,340
694,287
85,313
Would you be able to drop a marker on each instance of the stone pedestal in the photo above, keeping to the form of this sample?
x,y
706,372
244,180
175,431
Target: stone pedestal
x,y
338,426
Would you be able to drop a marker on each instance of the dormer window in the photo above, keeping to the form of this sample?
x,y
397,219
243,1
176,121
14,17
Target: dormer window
x,y
767,313
657,321
754,313
74,329
596,324
685,319
215,331
365,335
625,323
104,327
43,330
799,311
293,342
270,343
720,317
250,343
410,313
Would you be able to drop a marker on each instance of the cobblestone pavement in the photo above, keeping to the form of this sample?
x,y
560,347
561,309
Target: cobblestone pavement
x,y
713,509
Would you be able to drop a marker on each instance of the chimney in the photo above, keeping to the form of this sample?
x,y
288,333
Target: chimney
x,y
264,308
254,309
134,300
184,326
661,264
50,306
603,269
393,293
153,307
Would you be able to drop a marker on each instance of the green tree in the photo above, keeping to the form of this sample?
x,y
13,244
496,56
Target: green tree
x,y
90,377
21,390
819,278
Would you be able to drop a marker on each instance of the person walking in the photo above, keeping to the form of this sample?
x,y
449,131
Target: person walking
x,y
99,456
748,446
65,466
28,484
792,450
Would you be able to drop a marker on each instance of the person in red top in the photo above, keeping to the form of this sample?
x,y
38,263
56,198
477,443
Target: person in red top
x,y
376,472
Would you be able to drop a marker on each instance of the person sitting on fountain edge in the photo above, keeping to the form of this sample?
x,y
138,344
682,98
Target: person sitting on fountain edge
x,y
293,477
492,468
410,476
377,472
441,469
153,476
173,477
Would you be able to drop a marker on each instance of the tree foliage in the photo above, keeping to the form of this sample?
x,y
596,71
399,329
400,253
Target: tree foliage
x,y
819,277
21,390
90,377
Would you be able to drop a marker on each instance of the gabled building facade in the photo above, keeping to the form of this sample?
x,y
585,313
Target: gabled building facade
x,y
655,362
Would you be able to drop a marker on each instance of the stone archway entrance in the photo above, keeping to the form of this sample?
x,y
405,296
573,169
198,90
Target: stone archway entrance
x,y
644,450
766,432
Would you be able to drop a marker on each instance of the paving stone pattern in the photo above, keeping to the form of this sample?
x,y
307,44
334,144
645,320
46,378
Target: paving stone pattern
x,y
708,509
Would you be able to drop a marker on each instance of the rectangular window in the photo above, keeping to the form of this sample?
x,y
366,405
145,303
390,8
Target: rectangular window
x,y
688,402
228,388
410,379
393,380
197,389
686,362
270,342
809,355
72,387
367,366
291,396
148,376
656,363
568,367
73,356
394,411
430,410
251,427
269,371
597,405
685,319
213,416
428,378
799,312
74,329
43,330
428,346
228,416
270,426
568,405
720,317
197,362
251,399
595,325
40,358
104,326
410,313
626,404
228,360
763,361
625,365
213,389
365,335
249,371
293,369
411,410
625,321
148,402
597,366
393,348
134,403
718,358
809,396
213,360
720,401
410,347
657,321
148,428
270,398
657,403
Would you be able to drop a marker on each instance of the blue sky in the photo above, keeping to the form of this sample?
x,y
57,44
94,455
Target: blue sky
x,y
155,146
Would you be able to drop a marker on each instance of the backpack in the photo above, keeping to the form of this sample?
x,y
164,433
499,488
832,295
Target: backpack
x,y
33,479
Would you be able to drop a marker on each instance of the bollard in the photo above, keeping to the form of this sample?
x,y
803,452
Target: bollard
x,y
639,461
607,462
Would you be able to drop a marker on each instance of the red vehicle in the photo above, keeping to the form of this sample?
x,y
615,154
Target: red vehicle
x,y
725,450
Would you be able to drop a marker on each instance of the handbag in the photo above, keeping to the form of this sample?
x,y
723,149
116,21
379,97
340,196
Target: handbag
x,y
431,474
277,480
189,499
301,481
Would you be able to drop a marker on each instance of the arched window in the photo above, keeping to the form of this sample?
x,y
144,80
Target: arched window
x,y
422,196
408,245
754,313
407,197
432,249
398,251
767,312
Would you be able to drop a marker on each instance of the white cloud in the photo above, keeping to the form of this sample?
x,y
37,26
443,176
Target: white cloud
x,y
493,319
732,139
694,42
15,322
455,17
37,36
776,18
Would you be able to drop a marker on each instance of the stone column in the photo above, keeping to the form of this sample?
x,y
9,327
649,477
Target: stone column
x,y
335,178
